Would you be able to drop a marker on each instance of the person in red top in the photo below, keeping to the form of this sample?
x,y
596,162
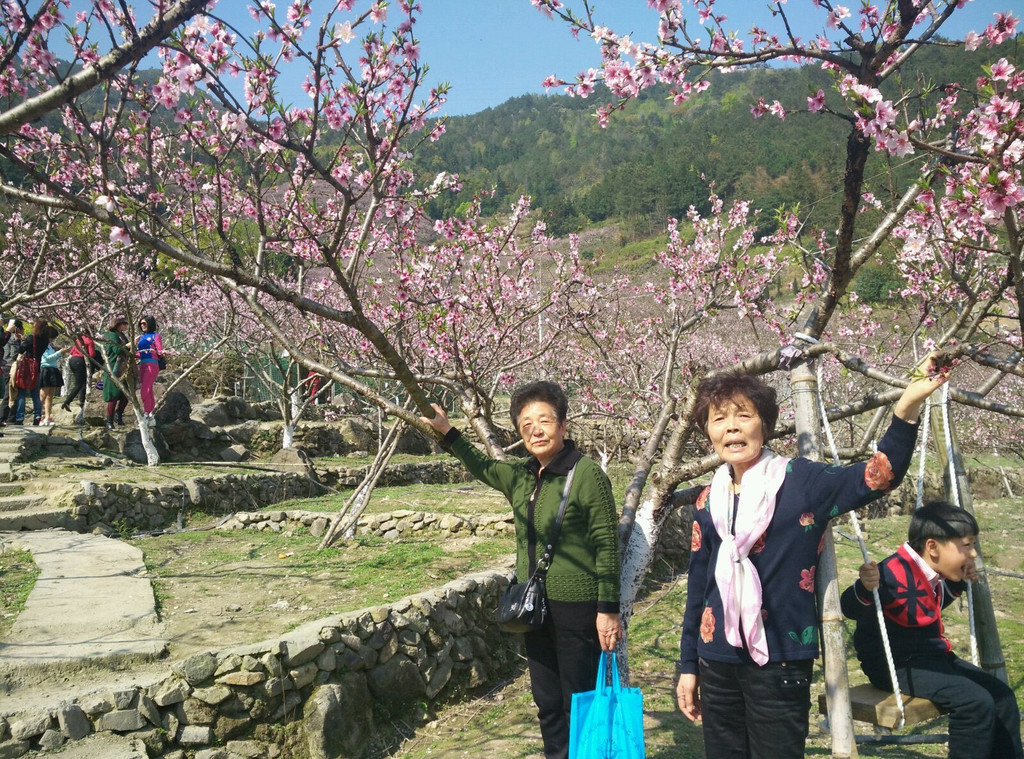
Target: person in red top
x,y
83,358
924,576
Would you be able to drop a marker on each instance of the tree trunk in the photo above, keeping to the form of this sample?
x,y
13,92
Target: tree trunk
x,y
837,680
990,648
644,462
146,435
288,435
347,519
639,551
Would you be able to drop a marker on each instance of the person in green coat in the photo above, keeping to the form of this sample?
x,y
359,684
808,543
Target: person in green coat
x,y
115,359
583,580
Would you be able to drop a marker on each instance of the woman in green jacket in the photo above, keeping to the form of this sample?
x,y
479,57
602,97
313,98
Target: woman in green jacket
x,y
115,358
583,580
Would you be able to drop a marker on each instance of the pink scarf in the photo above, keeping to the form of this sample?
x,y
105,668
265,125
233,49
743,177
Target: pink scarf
x,y
735,575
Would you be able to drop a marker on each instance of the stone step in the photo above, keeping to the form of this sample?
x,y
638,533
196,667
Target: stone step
x,y
6,473
8,488
21,502
43,518
92,605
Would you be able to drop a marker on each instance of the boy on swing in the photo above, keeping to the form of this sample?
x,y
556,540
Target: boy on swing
x,y
924,576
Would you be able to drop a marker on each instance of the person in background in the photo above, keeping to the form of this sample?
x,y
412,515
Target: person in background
x,y
50,377
115,361
583,580
32,348
11,342
316,385
83,358
149,351
750,628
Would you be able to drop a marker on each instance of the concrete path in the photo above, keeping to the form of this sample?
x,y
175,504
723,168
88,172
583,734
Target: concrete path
x,y
92,605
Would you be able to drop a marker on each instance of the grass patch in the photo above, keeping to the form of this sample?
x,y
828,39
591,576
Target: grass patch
x,y
445,498
398,458
353,575
993,460
19,574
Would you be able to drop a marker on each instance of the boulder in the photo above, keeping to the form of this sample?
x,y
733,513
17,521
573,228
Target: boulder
x,y
131,446
358,433
175,407
338,719
235,453
244,432
397,681
197,668
212,414
292,460
414,442
73,722
183,388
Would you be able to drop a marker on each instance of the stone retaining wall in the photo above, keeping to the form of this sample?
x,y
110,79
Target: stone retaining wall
x,y
389,525
418,473
147,506
326,675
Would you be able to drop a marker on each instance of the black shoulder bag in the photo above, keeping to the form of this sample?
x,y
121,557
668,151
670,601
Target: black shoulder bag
x,y
524,607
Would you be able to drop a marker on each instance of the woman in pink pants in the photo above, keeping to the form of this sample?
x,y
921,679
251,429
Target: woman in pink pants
x,y
150,349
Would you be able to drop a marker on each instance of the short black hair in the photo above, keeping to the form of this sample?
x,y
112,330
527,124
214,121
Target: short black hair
x,y
150,323
941,521
544,391
719,389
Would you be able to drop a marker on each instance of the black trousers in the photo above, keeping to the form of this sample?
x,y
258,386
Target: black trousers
x,y
752,712
984,721
78,388
561,662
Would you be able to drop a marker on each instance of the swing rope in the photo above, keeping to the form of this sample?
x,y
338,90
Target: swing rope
x,y
922,453
954,488
864,553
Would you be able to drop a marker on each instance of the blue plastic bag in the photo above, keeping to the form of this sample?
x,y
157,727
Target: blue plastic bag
x,y
607,722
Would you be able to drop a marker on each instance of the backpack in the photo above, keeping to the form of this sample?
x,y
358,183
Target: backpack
x,y
26,375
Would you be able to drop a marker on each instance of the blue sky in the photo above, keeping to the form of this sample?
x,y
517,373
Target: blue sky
x,y
493,50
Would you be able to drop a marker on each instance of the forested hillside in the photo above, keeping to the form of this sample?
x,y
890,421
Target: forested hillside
x,y
656,159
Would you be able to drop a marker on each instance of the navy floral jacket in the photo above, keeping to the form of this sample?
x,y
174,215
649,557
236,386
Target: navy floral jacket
x,y
786,556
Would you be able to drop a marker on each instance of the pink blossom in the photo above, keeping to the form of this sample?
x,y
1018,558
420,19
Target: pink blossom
x,y
662,6
344,32
835,18
1002,70
817,102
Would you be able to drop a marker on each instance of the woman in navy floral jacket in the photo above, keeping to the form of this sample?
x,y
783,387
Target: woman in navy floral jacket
x,y
750,628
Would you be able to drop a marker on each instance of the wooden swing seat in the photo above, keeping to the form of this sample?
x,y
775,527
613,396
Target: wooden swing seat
x,y
878,707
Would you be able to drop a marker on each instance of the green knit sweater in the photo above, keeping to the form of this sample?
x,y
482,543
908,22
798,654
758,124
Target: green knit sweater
x,y
585,566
